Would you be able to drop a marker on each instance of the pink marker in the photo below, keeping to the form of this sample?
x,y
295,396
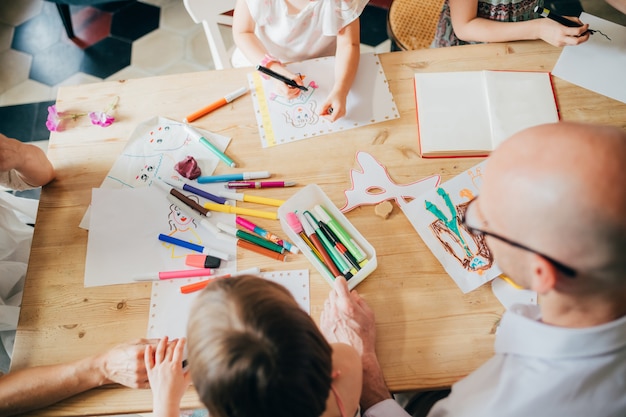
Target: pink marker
x,y
260,184
184,273
247,224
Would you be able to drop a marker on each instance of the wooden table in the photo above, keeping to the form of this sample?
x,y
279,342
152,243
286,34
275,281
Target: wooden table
x,y
429,333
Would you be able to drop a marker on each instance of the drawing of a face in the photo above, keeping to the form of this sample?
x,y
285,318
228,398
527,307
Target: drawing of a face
x,y
179,221
146,174
164,138
302,115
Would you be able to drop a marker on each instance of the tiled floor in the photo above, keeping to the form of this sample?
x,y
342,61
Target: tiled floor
x,y
115,40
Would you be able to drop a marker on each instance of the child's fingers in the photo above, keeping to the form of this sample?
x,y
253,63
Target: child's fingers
x,y
169,352
148,357
178,351
160,350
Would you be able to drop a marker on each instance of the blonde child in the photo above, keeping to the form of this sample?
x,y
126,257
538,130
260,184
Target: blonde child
x,y
473,21
274,32
254,352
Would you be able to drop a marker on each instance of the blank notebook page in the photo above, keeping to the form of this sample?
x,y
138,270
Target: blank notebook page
x,y
452,112
518,100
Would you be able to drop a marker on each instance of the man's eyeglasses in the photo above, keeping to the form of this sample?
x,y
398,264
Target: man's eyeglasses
x,y
566,270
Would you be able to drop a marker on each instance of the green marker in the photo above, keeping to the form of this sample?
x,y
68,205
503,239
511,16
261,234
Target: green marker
x,y
341,264
341,233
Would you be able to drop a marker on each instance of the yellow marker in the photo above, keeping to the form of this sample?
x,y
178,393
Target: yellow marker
x,y
251,198
263,200
223,208
511,282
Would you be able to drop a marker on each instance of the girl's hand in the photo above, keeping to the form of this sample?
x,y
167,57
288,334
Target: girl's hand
x,y
558,35
167,378
283,89
334,107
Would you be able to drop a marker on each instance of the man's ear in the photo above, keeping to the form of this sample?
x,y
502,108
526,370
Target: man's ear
x,y
543,274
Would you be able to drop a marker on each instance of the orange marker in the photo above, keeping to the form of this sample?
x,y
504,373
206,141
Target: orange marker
x,y
197,286
216,105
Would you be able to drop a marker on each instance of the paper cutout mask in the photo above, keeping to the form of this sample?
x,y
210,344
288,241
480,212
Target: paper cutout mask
x,y
372,185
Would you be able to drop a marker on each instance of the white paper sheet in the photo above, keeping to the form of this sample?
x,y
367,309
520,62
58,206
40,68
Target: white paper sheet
x,y
169,309
123,235
152,151
464,257
599,64
282,121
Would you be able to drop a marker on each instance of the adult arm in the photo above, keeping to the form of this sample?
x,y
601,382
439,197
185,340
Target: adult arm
x,y
347,318
28,389
30,162
469,27
346,63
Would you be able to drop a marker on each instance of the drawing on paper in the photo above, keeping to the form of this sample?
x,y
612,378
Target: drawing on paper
x,y
281,120
153,150
181,227
157,148
436,216
470,251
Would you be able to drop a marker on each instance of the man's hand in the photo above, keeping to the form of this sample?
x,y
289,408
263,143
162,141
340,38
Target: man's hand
x,y
347,318
124,364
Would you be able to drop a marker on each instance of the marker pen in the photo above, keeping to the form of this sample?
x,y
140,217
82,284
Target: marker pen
x,y
214,149
340,232
243,176
197,191
247,224
260,184
184,273
197,286
251,238
192,246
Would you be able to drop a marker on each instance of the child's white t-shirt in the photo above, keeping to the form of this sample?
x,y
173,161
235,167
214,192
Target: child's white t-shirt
x,y
311,33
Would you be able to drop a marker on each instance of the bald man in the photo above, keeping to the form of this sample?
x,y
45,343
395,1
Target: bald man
x,y
553,211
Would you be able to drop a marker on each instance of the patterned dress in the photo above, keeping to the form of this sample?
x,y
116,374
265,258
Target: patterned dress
x,y
500,10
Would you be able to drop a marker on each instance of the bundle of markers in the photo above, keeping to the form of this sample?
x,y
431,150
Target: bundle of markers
x,y
255,239
334,248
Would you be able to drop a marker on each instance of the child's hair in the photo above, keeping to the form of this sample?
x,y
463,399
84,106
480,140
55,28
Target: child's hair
x,y
254,352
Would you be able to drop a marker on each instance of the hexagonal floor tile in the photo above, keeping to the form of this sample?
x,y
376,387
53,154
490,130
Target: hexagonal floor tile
x,y
106,57
56,63
37,34
135,20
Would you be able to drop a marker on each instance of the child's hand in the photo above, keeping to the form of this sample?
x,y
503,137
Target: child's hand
x,y
167,378
558,35
334,107
283,89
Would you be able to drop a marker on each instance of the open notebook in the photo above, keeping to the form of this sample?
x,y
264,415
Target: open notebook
x,y
469,113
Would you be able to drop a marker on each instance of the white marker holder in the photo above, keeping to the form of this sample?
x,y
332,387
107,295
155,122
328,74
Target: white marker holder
x,y
306,199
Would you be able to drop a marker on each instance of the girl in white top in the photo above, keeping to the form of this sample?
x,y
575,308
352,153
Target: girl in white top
x,y
274,32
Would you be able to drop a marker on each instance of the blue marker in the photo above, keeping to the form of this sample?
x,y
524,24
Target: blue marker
x,y
201,193
193,246
243,176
